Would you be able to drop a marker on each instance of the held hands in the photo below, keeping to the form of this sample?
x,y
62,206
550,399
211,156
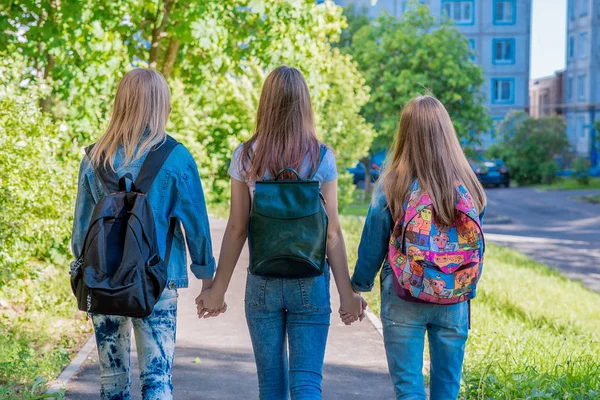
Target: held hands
x,y
352,308
210,303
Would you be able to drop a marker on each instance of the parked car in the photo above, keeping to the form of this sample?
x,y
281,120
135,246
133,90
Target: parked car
x,y
359,173
491,172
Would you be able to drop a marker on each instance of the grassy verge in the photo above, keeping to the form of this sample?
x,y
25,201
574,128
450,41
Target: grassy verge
x,y
40,330
571,184
535,333
594,199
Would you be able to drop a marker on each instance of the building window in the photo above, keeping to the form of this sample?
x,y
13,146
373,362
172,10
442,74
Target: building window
x,y
581,87
504,12
570,88
571,47
583,44
583,8
503,51
462,12
572,4
472,48
503,91
581,126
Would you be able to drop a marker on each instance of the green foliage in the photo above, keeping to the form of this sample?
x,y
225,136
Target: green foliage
x,y
519,348
581,170
529,146
40,330
215,55
570,184
37,179
414,55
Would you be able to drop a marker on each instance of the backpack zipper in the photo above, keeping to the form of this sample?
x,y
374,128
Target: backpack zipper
x,y
89,304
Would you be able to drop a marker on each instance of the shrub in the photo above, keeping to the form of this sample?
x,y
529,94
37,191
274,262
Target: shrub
x,y
581,170
37,178
529,147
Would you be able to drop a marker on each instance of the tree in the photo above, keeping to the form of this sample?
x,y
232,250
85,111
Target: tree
x,y
529,146
215,55
402,58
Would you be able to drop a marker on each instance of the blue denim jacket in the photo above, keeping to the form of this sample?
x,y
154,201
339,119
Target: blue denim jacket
x,y
175,193
375,242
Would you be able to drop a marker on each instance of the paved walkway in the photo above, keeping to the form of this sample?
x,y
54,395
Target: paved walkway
x,y
551,227
214,359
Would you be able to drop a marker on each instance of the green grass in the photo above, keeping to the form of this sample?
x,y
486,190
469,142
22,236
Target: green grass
x,y
40,330
535,333
594,199
571,184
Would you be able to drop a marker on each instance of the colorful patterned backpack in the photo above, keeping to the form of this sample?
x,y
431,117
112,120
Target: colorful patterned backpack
x,y
435,264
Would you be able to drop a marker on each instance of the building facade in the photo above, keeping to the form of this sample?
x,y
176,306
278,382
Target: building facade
x,y
499,31
546,96
582,75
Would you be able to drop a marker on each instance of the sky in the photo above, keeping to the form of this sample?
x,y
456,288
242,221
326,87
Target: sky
x,y
548,37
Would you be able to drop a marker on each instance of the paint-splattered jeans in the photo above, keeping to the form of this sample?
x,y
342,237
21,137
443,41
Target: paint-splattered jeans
x,y
155,342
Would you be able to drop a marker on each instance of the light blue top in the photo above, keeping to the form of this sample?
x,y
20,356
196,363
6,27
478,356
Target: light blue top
x,y
175,193
327,170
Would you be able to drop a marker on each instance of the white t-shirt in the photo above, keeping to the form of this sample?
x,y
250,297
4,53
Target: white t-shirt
x,y
327,170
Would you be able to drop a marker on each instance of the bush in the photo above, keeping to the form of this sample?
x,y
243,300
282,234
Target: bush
x,y
581,170
37,179
530,146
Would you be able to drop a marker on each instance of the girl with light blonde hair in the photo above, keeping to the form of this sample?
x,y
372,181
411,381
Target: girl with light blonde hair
x,y
136,129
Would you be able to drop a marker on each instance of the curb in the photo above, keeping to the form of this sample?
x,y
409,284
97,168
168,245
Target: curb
x,y
496,220
375,321
72,368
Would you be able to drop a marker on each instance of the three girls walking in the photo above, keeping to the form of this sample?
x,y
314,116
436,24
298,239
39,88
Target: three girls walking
x,y
288,315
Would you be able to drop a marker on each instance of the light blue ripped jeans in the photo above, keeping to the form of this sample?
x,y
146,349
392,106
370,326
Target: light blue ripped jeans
x,y
155,341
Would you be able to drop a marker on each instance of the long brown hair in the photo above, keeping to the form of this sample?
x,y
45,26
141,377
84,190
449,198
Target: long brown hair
x,y
141,109
285,128
426,148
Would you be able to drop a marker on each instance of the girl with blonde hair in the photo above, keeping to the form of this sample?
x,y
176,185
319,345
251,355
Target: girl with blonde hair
x,y
135,133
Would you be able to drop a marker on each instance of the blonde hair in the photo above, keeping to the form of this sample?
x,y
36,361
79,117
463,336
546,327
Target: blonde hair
x,y
427,149
141,109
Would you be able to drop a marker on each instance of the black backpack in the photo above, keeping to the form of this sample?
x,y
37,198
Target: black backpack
x,y
120,271
287,228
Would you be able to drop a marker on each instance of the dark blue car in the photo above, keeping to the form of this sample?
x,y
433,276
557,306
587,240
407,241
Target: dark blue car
x,y
491,172
358,172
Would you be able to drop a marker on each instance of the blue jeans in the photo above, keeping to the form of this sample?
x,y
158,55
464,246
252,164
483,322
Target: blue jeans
x,y
155,341
300,309
404,327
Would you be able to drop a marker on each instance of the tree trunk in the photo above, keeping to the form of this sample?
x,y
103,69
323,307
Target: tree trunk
x,y
368,183
157,33
170,57
48,17
46,102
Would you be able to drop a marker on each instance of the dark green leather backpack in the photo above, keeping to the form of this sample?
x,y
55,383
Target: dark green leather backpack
x,y
287,229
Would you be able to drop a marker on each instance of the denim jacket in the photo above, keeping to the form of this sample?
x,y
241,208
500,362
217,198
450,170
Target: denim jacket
x,y
375,242
175,193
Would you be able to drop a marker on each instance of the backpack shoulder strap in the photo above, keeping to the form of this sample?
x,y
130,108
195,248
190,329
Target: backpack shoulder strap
x,y
108,177
153,163
321,158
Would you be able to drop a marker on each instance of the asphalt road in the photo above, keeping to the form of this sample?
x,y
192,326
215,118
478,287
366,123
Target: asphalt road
x,y
214,359
551,227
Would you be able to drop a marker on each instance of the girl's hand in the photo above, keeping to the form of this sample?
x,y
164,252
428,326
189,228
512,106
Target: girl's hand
x,y
351,308
210,303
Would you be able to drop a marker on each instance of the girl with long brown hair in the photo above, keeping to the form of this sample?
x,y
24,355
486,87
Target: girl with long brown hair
x,y
424,228
278,308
